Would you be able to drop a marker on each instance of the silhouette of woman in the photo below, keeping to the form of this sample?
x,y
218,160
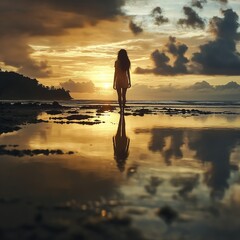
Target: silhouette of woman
x,y
121,144
122,80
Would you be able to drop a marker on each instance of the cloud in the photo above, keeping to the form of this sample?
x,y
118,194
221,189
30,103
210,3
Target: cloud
x,y
225,28
229,86
79,87
17,54
162,61
25,19
157,14
220,56
192,19
222,1
93,10
198,3
217,57
201,86
170,151
135,28
52,17
197,91
206,143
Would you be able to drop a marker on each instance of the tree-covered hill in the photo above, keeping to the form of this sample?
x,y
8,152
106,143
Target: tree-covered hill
x,y
14,86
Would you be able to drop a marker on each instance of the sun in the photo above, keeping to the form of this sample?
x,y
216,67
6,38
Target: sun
x,y
106,85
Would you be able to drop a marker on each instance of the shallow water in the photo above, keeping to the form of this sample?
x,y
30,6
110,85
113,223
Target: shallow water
x,y
138,165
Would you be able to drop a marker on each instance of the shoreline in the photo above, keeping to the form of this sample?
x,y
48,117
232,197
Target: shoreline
x,y
27,112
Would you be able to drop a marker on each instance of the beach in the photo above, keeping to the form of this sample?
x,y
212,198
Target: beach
x,y
82,170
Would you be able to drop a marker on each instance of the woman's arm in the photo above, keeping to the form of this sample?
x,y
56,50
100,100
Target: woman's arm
x,y
114,80
129,79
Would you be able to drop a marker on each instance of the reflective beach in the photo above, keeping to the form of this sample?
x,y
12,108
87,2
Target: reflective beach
x,y
174,176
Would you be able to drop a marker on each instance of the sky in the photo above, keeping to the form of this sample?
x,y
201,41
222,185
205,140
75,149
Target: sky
x,y
179,49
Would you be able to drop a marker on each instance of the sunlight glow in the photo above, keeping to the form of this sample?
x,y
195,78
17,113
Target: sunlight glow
x,y
106,85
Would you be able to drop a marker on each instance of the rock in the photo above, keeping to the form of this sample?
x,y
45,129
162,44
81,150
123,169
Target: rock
x,y
53,112
78,117
38,218
167,214
105,108
142,111
56,104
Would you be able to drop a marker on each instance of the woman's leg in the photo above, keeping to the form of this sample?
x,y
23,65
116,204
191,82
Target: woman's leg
x,y
119,98
124,91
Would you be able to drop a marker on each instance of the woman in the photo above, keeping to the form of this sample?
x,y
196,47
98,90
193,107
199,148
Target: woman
x,y
122,80
121,144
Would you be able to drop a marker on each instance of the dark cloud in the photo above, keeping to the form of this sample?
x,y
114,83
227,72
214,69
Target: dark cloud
x,y
91,9
225,28
52,17
220,56
206,144
162,61
198,3
192,19
221,1
178,50
20,20
158,144
157,14
217,57
197,91
158,18
17,53
79,87
135,28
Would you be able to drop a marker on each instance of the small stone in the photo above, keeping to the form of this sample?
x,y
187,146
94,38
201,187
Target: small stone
x,y
167,214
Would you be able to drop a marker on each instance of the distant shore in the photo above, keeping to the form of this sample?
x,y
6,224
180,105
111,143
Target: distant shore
x,y
14,86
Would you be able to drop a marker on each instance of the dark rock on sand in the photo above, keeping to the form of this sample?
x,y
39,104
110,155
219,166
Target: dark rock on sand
x,y
56,105
72,112
27,152
53,112
78,117
105,108
116,228
99,108
13,115
141,112
167,214
73,117
173,111
38,217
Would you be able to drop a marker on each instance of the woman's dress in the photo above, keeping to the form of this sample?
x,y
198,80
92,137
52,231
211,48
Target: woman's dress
x,y
122,80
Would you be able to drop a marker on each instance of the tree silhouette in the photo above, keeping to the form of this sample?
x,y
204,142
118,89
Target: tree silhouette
x,y
14,86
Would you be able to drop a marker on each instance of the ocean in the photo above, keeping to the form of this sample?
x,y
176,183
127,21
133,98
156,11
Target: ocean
x,y
143,103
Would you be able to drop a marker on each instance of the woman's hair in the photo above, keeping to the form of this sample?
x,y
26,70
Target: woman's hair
x,y
123,60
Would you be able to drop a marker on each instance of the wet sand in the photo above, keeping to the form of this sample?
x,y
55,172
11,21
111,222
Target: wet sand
x,y
87,172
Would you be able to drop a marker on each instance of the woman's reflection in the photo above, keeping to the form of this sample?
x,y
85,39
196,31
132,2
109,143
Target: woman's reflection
x,y
121,144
